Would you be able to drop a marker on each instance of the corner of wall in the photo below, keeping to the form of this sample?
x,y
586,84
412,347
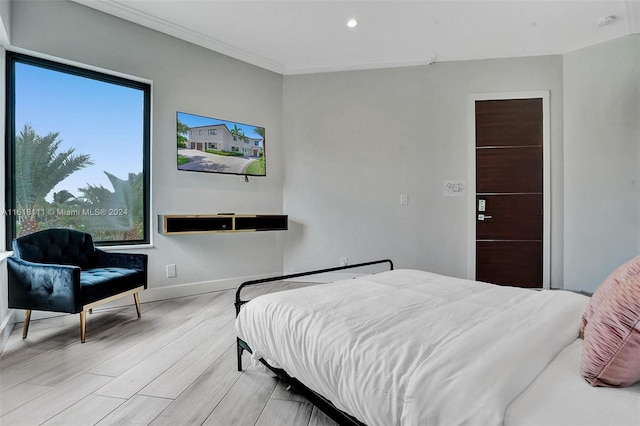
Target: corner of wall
x,y
6,315
5,23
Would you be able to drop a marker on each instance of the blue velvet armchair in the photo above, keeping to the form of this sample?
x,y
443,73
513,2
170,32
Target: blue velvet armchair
x,y
61,270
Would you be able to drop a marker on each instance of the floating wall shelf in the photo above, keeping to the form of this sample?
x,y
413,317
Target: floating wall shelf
x,y
199,224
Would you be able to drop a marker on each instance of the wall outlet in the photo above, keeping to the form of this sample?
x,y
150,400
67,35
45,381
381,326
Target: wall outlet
x,y
344,260
171,271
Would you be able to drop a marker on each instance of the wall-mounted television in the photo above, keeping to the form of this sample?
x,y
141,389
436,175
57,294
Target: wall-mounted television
x,y
212,145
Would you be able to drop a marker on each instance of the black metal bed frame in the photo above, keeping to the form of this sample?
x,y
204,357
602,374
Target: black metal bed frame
x,y
315,398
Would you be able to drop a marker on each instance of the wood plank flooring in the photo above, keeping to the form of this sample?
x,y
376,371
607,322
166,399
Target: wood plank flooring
x,y
174,366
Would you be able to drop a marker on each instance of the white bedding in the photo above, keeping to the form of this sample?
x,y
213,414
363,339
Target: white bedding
x,y
409,347
560,396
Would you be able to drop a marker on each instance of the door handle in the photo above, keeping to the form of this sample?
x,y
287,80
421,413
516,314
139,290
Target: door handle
x,y
484,216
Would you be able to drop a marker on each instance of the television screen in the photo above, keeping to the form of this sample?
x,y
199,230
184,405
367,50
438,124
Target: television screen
x,y
212,145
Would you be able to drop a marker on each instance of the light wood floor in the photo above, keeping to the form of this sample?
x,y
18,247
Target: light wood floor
x,y
174,366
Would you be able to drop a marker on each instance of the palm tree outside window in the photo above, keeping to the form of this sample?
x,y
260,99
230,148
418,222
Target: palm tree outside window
x,y
64,167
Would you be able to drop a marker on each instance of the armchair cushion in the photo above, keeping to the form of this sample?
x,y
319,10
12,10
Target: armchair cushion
x,y
100,283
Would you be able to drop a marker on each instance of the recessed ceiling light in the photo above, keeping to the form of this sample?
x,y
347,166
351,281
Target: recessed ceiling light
x,y
352,23
605,20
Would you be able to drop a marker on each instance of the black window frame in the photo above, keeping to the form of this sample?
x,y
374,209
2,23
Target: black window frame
x,y
10,132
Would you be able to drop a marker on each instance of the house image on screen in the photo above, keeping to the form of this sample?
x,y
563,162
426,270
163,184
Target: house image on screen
x,y
218,137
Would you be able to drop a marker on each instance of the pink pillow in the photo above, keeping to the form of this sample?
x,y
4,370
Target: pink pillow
x,y
624,272
611,330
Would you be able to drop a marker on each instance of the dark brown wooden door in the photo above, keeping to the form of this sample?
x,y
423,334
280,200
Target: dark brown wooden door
x,y
509,191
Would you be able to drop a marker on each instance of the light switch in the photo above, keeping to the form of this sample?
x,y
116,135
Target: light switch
x,y
171,271
404,199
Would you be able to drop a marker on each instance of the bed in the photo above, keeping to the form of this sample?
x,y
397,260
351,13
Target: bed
x,y
408,347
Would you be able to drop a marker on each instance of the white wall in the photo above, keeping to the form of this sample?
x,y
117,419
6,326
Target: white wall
x,y
355,141
602,160
6,317
190,79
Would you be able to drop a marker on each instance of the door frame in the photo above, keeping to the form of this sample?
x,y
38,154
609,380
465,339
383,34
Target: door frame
x,y
546,184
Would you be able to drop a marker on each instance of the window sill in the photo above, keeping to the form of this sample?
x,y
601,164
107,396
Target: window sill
x,y
126,247
5,254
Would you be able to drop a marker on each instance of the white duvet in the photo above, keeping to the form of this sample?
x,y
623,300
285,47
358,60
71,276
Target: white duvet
x,y
409,347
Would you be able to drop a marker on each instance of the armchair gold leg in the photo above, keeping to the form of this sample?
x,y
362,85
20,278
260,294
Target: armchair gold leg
x,y
136,298
83,325
25,327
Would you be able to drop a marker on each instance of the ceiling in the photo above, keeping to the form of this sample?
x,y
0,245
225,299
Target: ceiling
x,y
306,36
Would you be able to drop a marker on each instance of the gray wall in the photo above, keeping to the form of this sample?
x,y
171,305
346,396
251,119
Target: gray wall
x,y
190,79
357,140
602,160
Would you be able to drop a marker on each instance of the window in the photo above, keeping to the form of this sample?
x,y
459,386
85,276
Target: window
x,y
77,152
213,132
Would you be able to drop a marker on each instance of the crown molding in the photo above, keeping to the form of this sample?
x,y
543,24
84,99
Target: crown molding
x,y
115,8
357,66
